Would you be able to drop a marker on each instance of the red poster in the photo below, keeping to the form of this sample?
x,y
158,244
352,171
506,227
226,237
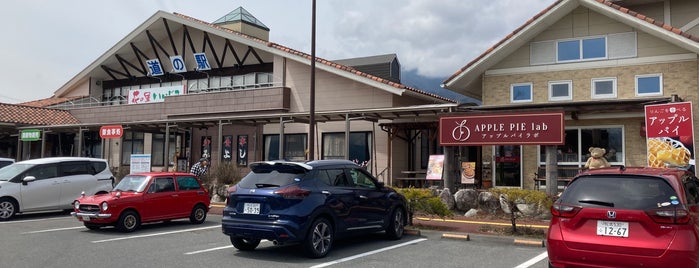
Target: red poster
x,y
670,134
503,129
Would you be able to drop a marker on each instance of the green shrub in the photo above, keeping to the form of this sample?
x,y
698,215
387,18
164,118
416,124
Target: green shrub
x,y
423,201
227,173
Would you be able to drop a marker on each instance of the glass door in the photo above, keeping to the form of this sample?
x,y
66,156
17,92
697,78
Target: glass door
x,y
508,166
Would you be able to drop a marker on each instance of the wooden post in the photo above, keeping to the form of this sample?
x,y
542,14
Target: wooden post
x,y
551,170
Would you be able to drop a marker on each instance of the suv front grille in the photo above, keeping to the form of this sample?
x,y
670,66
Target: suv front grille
x,y
89,208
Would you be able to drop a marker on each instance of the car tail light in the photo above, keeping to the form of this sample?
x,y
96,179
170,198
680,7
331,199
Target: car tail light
x,y
230,190
293,192
563,210
676,215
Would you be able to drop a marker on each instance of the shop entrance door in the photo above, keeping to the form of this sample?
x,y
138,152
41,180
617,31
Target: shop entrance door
x,y
508,166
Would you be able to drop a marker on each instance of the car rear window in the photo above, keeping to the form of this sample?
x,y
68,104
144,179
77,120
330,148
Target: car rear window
x,y
622,192
266,176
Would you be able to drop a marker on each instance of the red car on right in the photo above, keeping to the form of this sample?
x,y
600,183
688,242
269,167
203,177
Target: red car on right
x,y
626,217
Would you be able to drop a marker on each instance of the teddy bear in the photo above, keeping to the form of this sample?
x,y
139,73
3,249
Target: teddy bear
x,y
597,159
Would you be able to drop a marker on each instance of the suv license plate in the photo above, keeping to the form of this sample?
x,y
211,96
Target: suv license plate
x,y
251,208
613,228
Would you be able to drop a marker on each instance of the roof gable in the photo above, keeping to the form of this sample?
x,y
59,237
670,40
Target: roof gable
x,y
165,21
471,72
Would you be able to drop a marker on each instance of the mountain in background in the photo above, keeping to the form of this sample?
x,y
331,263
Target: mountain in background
x,y
431,84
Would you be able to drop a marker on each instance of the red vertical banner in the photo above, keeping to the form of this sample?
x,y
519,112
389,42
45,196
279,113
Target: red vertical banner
x,y
670,134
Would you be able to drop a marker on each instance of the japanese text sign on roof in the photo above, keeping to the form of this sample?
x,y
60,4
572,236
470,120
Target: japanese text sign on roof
x,y
111,132
546,128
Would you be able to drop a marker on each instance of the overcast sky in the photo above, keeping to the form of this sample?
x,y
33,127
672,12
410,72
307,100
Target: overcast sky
x,y
47,42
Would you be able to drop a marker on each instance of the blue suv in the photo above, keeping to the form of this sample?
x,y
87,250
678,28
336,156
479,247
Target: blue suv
x,y
310,203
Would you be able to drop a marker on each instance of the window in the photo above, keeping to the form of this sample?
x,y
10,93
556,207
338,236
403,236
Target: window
x,y
43,172
132,143
560,90
158,148
333,177
521,92
359,146
76,168
581,49
188,183
360,179
649,84
294,147
162,185
578,141
603,88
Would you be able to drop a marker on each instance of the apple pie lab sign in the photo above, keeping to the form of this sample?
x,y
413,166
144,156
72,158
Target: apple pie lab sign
x,y
537,128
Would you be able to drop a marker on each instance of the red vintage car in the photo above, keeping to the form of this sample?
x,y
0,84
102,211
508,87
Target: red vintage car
x,y
145,197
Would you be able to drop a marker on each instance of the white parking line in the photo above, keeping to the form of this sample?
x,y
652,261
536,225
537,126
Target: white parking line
x,y
53,230
368,253
46,219
207,250
217,248
533,261
155,234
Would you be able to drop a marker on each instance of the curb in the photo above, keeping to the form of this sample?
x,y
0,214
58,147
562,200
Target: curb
x,y
510,240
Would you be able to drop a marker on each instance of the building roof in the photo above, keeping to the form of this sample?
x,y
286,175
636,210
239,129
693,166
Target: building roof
x,y
241,15
378,59
472,70
51,101
247,40
28,115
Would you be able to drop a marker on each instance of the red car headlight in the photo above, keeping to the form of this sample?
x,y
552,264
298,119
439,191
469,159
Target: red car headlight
x,y
104,206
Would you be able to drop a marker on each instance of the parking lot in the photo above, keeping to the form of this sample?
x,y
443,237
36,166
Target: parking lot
x,y
58,240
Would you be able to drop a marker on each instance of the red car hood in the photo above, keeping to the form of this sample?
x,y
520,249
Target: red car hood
x,y
97,199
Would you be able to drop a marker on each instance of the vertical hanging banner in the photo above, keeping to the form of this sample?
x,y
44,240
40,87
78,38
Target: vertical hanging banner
x,y
206,147
242,150
670,134
227,148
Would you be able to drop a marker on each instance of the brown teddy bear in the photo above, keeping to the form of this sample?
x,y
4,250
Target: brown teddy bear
x,y
597,159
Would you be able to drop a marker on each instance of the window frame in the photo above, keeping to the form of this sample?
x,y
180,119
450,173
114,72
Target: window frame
x,y
581,49
660,84
582,149
560,82
512,92
593,88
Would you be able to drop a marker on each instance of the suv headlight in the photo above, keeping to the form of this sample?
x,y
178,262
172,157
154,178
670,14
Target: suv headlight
x,y
76,204
105,206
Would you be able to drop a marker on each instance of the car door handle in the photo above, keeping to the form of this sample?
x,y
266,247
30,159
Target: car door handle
x,y
363,197
325,192
175,195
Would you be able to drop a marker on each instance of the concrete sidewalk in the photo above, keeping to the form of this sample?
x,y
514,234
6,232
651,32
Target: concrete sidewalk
x,y
459,228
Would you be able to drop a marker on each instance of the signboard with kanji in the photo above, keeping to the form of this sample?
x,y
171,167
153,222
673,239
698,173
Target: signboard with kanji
x,y
30,135
546,128
670,134
152,95
111,132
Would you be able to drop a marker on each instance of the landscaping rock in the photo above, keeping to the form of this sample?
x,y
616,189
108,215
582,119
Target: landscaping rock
x,y
471,213
466,199
447,198
488,201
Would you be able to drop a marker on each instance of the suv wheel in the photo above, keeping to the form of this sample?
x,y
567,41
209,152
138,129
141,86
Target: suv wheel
x,y
198,215
129,221
8,208
244,244
319,239
395,227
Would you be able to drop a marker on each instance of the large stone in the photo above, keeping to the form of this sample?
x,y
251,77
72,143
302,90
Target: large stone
x,y
466,199
488,201
471,213
447,198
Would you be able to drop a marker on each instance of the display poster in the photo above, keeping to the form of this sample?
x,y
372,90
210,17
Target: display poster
x,y
435,166
242,150
670,135
468,172
227,148
140,163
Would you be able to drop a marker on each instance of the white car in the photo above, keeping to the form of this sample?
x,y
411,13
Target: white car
x,y
51,183
6,162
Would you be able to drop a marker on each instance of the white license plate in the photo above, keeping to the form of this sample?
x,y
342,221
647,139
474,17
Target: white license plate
x,y
86,218
251,208
613,228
